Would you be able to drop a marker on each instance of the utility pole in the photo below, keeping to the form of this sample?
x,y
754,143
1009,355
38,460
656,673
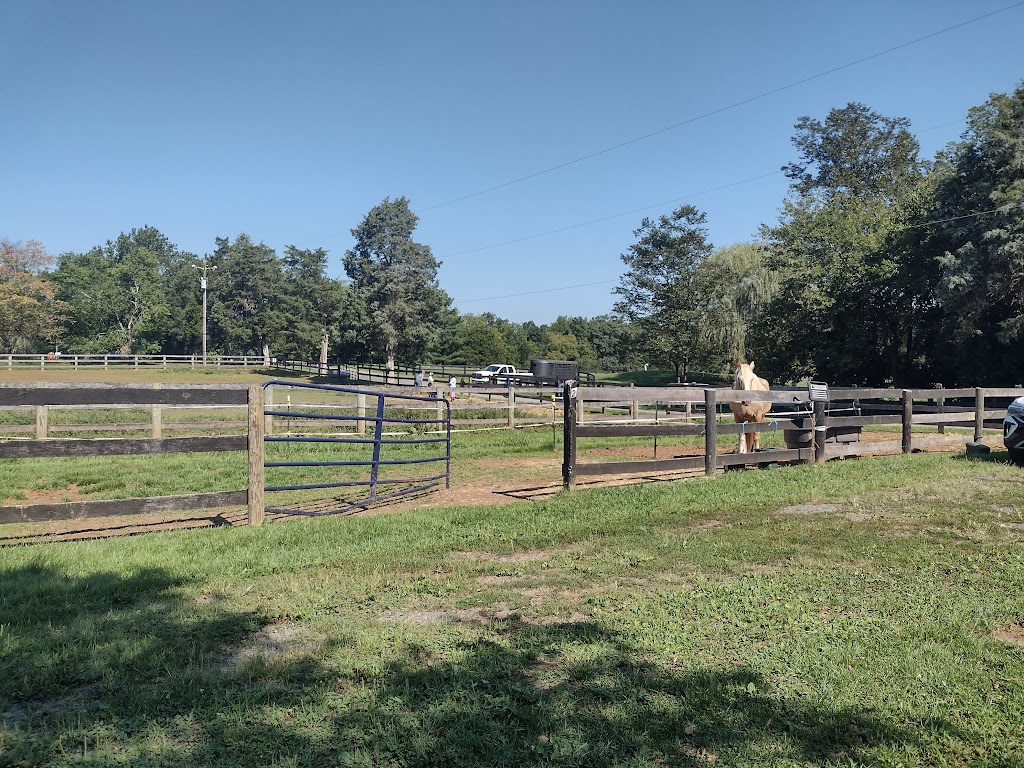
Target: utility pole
x,y
203,282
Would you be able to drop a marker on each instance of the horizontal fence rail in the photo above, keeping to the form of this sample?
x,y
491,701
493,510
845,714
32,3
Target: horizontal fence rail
x,y
62,360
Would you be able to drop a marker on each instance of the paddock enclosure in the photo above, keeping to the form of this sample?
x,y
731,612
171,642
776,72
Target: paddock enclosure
x,y
319,449
315,452
818,426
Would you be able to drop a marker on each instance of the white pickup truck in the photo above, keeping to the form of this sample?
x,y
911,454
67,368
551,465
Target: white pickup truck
x,y
497,374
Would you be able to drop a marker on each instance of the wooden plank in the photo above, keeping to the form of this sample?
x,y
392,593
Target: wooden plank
x,y
764,457
77,510
688,394
639,430
938,418
863,421
939,440
118,446
138,394
835,450
633,467
771,425
1013,392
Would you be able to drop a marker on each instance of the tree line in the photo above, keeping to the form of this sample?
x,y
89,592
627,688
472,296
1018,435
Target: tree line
x,y
883,267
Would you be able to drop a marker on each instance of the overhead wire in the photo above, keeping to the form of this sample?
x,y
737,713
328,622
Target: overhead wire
x,y
605,282
613,216
720,110
602,219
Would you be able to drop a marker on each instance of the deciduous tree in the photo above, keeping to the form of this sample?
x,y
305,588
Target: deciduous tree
x,y
662,291
29,313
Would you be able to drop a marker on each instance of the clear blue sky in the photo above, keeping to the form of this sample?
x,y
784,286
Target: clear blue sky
x,y
289,121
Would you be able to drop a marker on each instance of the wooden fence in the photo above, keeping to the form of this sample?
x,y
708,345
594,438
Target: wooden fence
x,y
45,396
62,361
814,430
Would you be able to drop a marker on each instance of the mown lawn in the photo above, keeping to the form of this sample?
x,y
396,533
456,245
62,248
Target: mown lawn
x,y
862,612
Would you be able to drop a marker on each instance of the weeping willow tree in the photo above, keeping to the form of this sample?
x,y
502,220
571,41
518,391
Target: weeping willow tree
x,y
741,285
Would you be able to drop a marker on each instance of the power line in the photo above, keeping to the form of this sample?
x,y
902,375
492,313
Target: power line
x,y
1002,208
646,207
613,216
533,293
726,108
605,282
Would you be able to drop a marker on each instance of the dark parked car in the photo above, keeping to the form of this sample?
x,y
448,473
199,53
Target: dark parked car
x,y
1013,430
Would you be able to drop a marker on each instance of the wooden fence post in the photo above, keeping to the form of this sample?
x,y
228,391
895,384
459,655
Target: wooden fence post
x,y
256,503
979,413
569,393
511,407
42,421
908,419
940,401
156,421
268,404
710,432
361,413
820,433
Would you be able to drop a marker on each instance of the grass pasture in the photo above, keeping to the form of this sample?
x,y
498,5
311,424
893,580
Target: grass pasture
x,y
866,612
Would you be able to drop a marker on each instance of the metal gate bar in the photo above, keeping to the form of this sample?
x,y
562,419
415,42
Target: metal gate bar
x,y
378,442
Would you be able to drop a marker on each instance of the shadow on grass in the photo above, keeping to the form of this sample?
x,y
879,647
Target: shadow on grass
x,y
998,457
128,663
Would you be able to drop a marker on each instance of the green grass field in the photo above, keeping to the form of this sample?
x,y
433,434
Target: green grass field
x,y
866,612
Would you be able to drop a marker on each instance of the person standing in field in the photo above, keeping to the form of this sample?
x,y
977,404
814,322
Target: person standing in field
x,y
430,381
451,388
419,382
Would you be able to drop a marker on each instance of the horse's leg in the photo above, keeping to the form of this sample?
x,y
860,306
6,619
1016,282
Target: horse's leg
x,y
743,438
755,442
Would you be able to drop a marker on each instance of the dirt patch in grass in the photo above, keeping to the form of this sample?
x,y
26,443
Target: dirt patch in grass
x,y
270,642
858,517
530,556
73,492
1012,634
496,614
809,509
79,699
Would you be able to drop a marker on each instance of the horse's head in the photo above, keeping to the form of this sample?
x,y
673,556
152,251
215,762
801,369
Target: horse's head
x,y
744,376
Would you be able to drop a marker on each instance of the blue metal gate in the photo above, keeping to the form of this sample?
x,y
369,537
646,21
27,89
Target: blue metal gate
x,y
381,442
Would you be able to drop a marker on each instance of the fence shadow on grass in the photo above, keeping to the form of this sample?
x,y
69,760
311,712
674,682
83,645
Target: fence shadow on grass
x,y
100,653
126,655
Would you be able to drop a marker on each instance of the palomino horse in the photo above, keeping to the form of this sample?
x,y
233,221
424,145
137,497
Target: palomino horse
x,y
745,411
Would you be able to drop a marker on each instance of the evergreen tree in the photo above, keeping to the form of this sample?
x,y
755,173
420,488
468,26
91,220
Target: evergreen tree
x,y
246,297
395,279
